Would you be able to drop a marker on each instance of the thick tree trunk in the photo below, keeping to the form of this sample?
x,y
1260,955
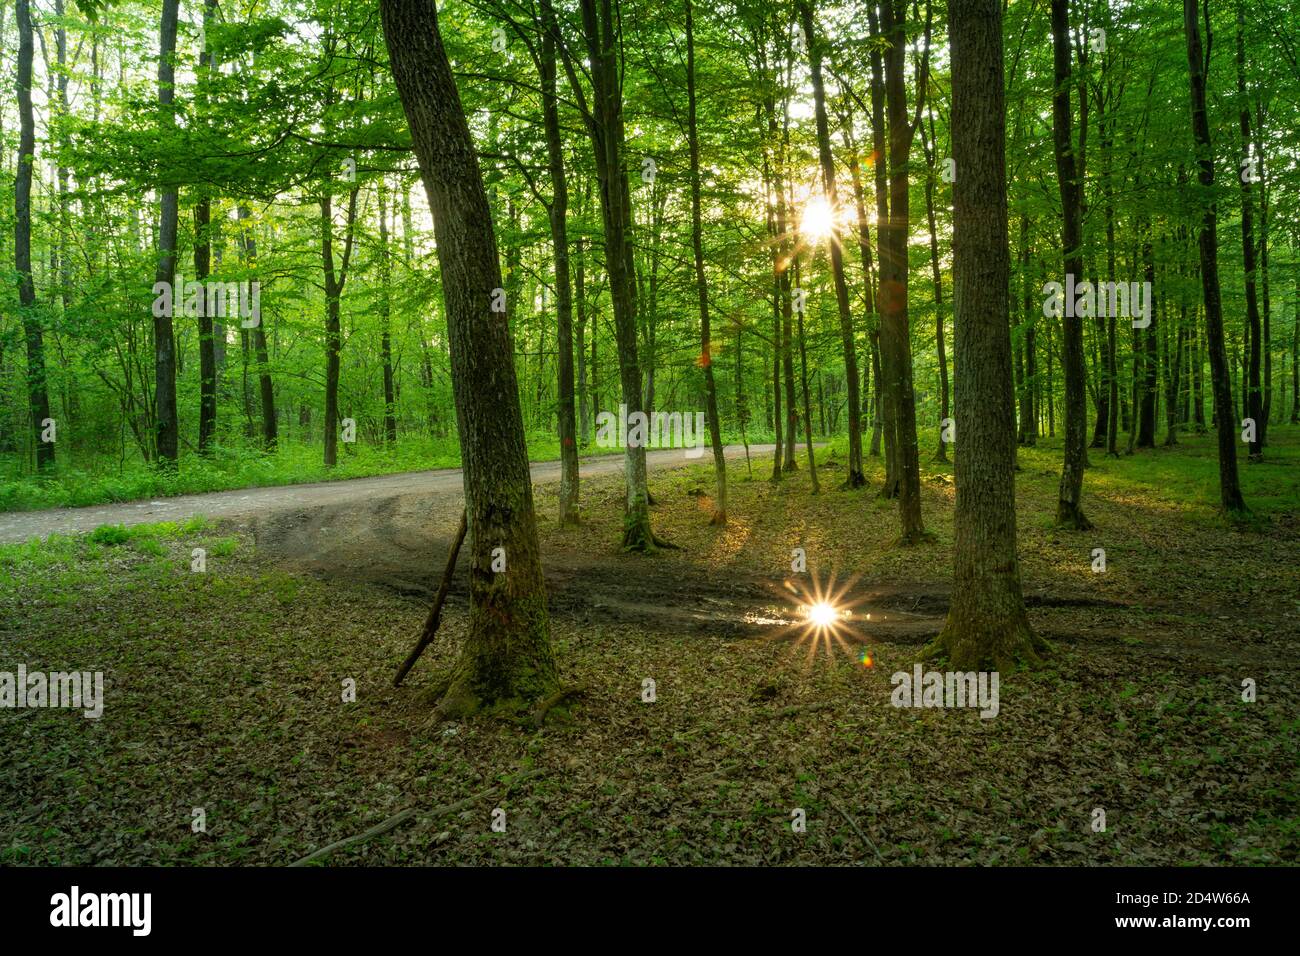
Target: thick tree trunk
x,y
1069,512
987,627
37,391
1229,486
506,658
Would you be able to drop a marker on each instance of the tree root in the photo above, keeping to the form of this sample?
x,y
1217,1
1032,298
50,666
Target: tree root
x,y
545,707
1071,517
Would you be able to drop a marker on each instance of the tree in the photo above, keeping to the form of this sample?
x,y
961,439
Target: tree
x,y
855,478
987,625
558,212
507,653
166,426
1254,397
202,264
701,281
1208,241
37,392
895,337
1069,511
248,247
605,126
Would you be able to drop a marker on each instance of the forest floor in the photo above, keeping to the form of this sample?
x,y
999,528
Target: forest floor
x,y
224,689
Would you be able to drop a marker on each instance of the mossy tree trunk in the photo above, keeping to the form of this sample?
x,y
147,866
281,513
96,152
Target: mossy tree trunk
x,y
987,626
506,659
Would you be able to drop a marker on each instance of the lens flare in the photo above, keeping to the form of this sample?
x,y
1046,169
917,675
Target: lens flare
x,y
823,618
818,219
823,614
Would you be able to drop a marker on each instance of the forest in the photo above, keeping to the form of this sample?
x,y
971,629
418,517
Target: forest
x,y
667,373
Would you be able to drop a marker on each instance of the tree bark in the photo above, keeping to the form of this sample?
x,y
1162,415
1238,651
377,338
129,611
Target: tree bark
x,y
1229,486
896,348
931,149
385,328
606,128
558,214
855,477
37,390
987,627
1253,404
1069,512
166,426
701,281
506,659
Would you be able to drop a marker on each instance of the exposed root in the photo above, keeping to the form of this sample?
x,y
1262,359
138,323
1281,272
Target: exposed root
x,y
1071,517
545,707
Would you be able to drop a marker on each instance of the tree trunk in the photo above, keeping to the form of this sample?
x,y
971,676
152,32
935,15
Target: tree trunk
x,y
1069,512
1146,435
37,391
1229,487
385,329
202,268
605,125
896,348
931,148
248,249
559,212
987,627
701,282
884,396
1253,405
166,426
855,478
506,658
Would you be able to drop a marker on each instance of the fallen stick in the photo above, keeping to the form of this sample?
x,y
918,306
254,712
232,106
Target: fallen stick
x,y
857,830
401,816
435,613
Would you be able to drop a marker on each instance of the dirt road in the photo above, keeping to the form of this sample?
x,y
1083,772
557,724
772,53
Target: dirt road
x,y
246,503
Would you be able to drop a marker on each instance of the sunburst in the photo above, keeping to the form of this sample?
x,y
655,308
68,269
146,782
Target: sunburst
x,y
824,617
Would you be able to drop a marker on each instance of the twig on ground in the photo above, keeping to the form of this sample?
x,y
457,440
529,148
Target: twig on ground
x,y
857,829
397,819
